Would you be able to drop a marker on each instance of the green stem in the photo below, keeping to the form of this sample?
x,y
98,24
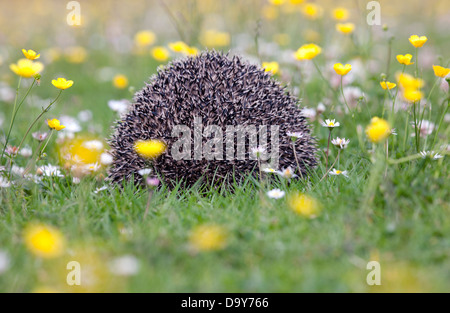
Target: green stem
x,y
45,146
327,82
12,120
39,116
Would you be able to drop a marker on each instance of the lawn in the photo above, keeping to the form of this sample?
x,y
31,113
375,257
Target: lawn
x,y
392,206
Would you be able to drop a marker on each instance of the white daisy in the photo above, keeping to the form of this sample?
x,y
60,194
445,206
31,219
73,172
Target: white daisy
x,y
4,183
93,145
85,115
145,171
294,135
276,194
126,265
309,113
330,123
49,170
337,173
431,155
100,189
258,151
119,106
71,123
269,170
26,152
287,173
4,261
106,158
340,142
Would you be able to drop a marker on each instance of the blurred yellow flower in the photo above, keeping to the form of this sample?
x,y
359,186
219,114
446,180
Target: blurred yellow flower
x,y
311,35
312,11
45,289
44,241
269,12
160,54
341,14
417,41
277,2
150,149
26,68
405,59
282,39
144,38
213,38
76,55
378,130
62,83
296,2
440,71
208,237
31,54
345,28
271,67
387,85
55,124
120,81
410,82
192,51
304,205
178,46
342,69
307,52
412,95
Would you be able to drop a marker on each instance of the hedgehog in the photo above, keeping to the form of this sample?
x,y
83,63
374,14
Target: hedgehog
x,y
217,90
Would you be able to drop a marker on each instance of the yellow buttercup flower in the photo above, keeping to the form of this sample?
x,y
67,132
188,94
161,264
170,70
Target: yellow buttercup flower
x,y
31,54
191,51
62,83
55,124
271,67
410,82
342,69
26,68
277,2
150,149
208,237
213,38
341,14
345,28
417,41
440,71
120,81
304,205
160,54
412,95
378,130
44,241
307,52
76,55
178,46
312,11
405,59
144,38
269,12
387,85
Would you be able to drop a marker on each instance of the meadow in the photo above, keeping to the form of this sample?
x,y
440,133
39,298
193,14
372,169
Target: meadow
x,y
382,196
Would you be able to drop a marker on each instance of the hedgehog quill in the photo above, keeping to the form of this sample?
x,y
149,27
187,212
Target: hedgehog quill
x,y
196,106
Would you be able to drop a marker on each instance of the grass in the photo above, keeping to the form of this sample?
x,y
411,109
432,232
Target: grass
x,y
394,213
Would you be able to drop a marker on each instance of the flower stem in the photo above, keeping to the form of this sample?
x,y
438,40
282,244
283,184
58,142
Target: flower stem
x,y
37,118
296,160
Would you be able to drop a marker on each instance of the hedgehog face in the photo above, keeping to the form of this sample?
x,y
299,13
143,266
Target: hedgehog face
x,y
211,110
